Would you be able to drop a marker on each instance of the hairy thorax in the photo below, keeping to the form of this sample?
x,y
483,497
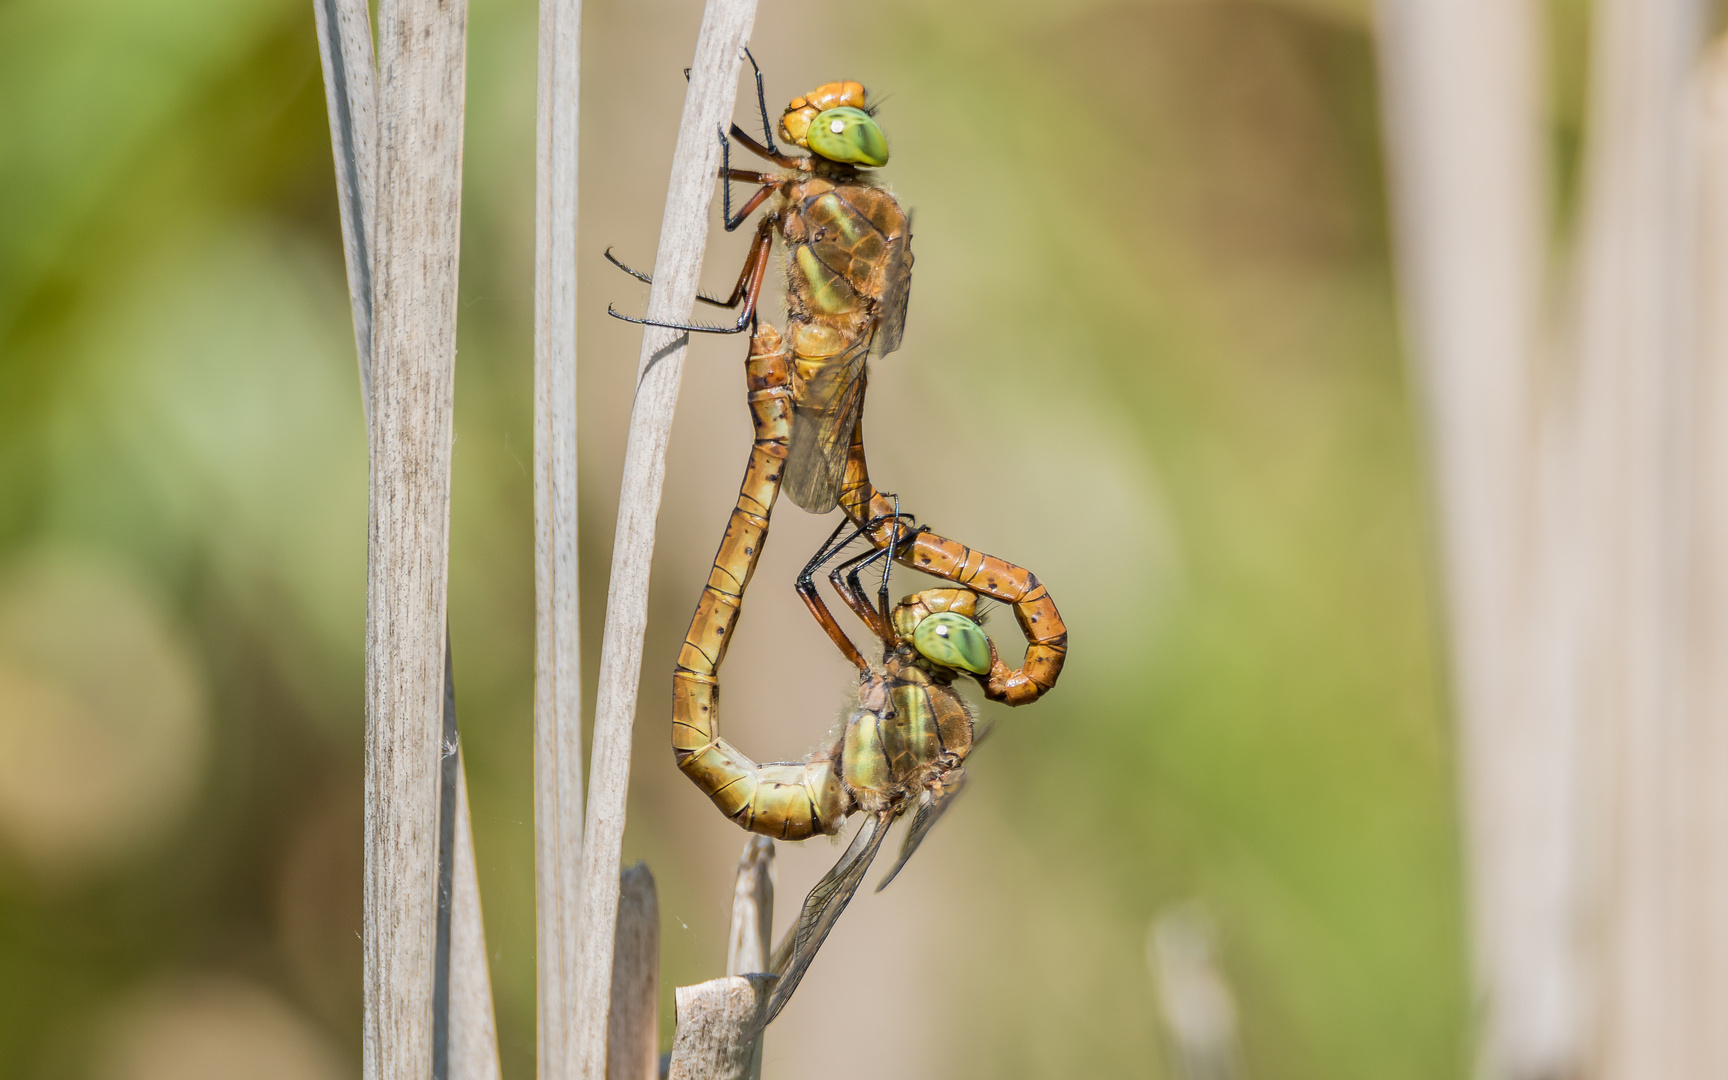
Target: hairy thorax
x,y
910,729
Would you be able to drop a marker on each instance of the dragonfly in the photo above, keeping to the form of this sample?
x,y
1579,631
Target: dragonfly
x,y
904,746
848,277
848,267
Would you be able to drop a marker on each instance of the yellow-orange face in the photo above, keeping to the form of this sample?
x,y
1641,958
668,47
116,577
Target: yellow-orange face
x,y
830,121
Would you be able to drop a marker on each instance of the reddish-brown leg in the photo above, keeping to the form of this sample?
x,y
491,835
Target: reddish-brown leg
x,y
813,600
782,160
845,581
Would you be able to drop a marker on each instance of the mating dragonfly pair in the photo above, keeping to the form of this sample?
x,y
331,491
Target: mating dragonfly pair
x,y
904,747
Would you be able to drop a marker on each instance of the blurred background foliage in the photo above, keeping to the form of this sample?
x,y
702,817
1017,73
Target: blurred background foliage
x,y
1152,354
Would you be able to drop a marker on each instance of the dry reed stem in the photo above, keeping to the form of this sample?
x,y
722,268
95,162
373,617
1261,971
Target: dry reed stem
x,y
345,47
1461,85
416,212
750,943
1705,749
633,1028
557,612
473,1050
714,1021
1632,312
1595,760
677,265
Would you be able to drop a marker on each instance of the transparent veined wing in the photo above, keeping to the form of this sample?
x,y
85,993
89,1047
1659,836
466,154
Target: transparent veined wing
x,y
824,413
822,908
931,806
896,289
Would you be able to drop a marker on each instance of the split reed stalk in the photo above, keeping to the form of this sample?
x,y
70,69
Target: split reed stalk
x,y
462,1021
678,259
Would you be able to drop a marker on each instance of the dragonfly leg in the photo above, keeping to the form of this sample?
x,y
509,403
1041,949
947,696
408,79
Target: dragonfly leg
x,y
762,104
789,800
750,283
783,160
845,579
893,548
769,184
806,587
648,279
1041,624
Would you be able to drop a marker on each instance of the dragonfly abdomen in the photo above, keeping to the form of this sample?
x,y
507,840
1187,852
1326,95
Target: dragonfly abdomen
x,y
790,801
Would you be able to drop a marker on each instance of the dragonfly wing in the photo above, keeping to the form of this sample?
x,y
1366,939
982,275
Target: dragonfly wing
x,y
822,908
896,289
936,801
823,415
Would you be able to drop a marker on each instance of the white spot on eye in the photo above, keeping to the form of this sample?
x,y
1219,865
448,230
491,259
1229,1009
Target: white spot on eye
x,y
836,126
941,631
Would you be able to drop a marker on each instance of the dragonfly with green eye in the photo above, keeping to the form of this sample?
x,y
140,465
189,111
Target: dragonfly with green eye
x,y
848,275
848,269
904,745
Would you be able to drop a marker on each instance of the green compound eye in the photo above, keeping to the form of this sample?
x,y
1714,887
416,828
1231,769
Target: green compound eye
x,y
953,641
849,135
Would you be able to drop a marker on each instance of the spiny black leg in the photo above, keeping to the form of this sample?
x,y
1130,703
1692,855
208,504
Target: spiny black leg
x,y
726,176
827,551
762,104
731,220
755,270
888,563
688,328
648,280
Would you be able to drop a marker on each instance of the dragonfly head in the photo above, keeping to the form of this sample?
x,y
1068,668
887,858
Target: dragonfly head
x,y
941,625
831,121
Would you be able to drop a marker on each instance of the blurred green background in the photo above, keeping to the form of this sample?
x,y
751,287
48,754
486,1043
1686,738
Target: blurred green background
x,y
1152,354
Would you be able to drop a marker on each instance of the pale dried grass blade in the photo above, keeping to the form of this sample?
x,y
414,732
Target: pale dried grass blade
x,y
633,1039
1461,101
1705,813
416,217
1633,356
345,51
473,1029
683,238
749,946
750,943
557,611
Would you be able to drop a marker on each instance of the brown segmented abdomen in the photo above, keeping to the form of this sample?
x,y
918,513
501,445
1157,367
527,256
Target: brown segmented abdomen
x,y
790,801
1040,622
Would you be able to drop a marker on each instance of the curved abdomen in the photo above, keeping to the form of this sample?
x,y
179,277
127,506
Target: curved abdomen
x,y
789,801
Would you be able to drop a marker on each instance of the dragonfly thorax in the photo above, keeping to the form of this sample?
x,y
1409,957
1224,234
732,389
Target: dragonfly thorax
x,y
909,730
